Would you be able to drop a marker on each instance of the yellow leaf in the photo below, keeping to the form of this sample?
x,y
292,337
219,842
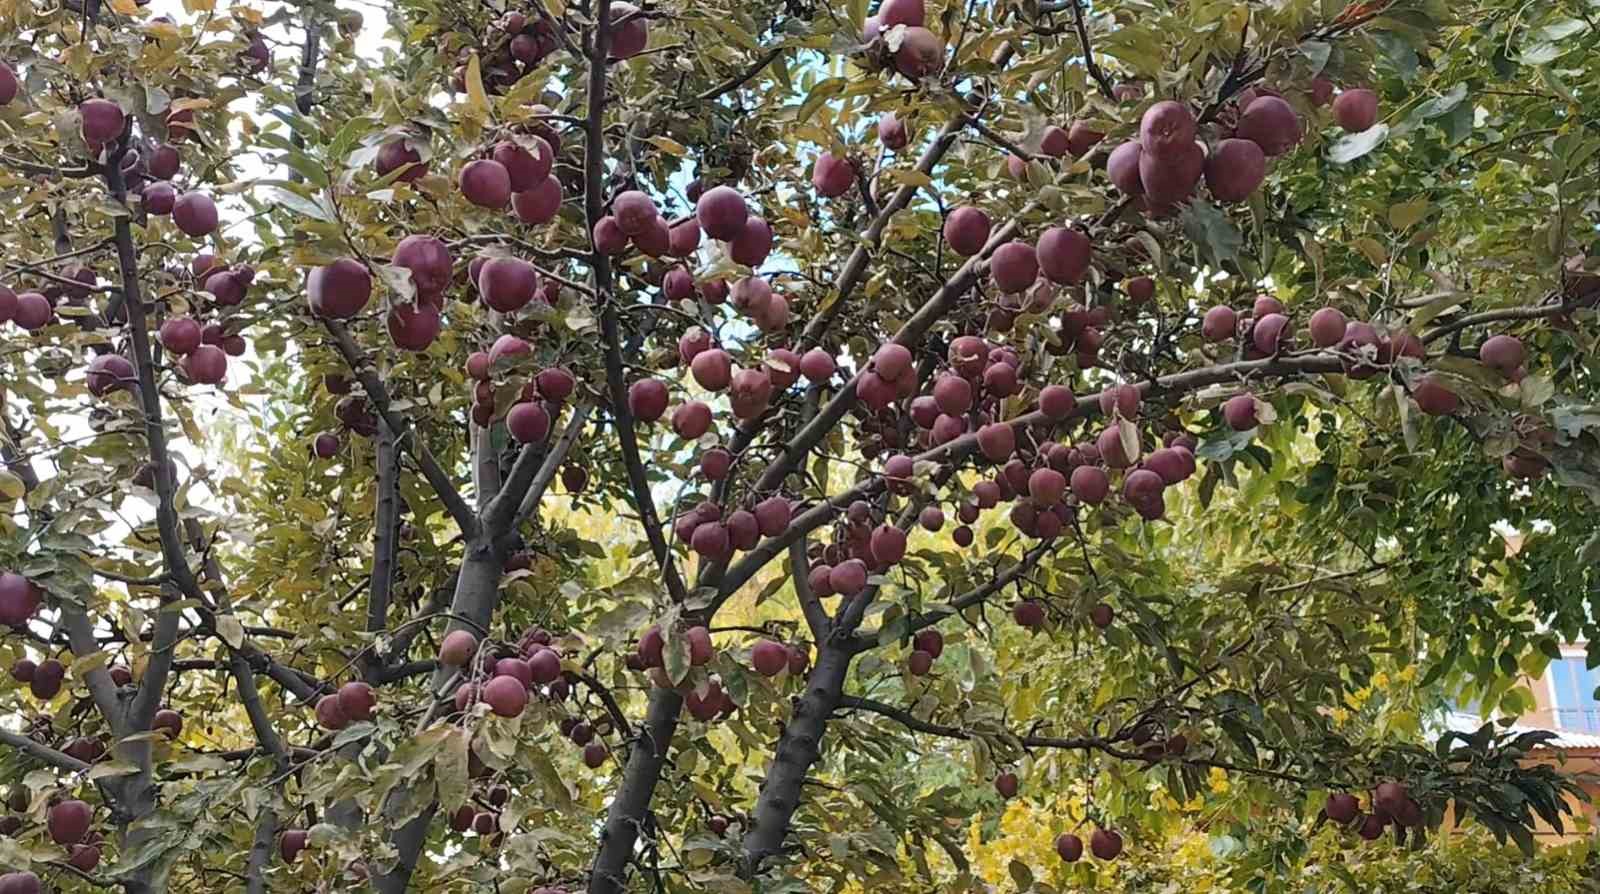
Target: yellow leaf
x,y
477,100
671,147
199,5
91,661
910,176
1405,214
1374,252
125,7
450,770
11,487
556,7
231,631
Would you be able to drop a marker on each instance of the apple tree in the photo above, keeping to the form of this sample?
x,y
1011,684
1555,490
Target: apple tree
x,y
695,446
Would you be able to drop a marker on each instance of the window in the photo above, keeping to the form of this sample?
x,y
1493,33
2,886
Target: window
x,y
1573,686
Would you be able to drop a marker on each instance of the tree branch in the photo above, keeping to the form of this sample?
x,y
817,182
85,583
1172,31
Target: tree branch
x,y
1095,71
812,433
628,808
1104,745
485,465
1533,312
1315,363
977,594
43,753
385,528
80,636
855,267
742,78
405,436
600,268
551,465
816,614
798,749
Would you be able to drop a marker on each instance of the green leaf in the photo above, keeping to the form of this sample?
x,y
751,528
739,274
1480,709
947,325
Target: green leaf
x,y
1590,553
1541,52
11,487
298,204
1439,105
399,281
675,653
731,29
1020,874
819,95
670,146
1316,53
1438,304
110,769
450,770
1404,215
1535,390
560,797
1129,434
307,167
355,732
1353,146
230,630
1212,232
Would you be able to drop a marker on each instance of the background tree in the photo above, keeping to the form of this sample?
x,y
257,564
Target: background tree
x,y
696,447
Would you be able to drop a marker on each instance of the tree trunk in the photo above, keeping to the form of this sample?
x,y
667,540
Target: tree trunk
x,y
798,748
477,594
408,840
628,809
477,591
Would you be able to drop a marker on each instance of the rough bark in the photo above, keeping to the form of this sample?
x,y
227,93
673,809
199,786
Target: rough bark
x,y
798,749
385,527
626,815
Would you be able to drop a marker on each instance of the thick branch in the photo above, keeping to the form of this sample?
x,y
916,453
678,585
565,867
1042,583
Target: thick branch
x,y
800,746
626,815
610,328
485,465
798,749
304,687
385,529
261,850
80,636
260,723
172,549
552,464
